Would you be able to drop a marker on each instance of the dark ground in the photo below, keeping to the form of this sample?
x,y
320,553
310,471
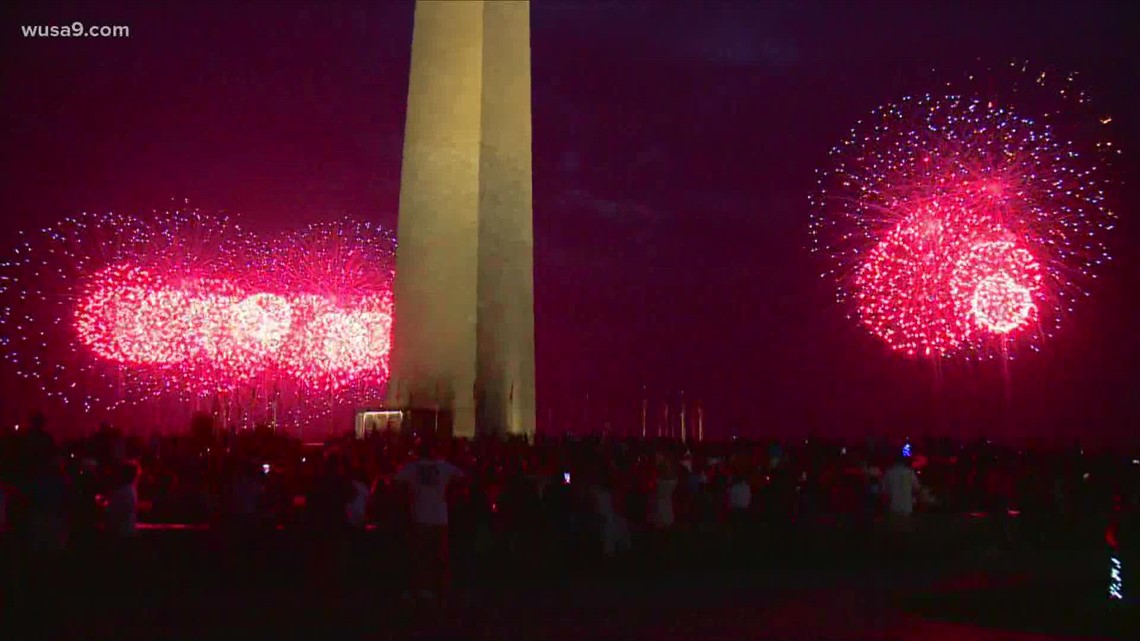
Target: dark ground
x,y
793,585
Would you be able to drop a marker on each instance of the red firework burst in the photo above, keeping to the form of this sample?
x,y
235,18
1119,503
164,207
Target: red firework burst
x,y
956,225
946,276
154,308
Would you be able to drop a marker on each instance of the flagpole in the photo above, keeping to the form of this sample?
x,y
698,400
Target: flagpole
x,y
644,410
700,423
435,430
683,412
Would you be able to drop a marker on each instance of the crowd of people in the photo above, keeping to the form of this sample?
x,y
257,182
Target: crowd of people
x,y
594,497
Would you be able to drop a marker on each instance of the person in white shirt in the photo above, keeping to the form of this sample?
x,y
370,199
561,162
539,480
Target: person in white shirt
x,y
739,495
356,510
739,500
427,478
661,514
614,527
900,485
121,516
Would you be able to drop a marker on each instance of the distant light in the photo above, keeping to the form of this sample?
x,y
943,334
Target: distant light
x,y
906,450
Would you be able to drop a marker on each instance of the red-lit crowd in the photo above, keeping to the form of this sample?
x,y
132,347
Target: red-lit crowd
x,y
598,494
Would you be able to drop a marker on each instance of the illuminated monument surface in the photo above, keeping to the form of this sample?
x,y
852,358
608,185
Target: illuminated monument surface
x,y
464,291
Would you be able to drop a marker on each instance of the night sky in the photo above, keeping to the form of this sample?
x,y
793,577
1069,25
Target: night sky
x,y
674,150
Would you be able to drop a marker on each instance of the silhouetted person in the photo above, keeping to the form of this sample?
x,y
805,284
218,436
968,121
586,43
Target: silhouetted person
x,y
33,448
613,527
325,504
331,491
356,508
427,478
246,488
44,529
48,499
900,486
120,520
85,509
243,514
661,512
738,499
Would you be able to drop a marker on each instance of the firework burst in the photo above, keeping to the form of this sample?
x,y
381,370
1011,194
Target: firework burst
x,y
106,311
64,287
345,300
956,224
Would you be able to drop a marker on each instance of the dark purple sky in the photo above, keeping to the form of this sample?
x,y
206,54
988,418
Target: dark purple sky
x,y
675,145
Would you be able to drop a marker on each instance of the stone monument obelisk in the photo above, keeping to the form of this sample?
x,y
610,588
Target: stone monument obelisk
x,y
463,338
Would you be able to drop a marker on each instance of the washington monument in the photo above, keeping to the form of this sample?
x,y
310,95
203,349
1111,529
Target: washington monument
x,y
464,294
